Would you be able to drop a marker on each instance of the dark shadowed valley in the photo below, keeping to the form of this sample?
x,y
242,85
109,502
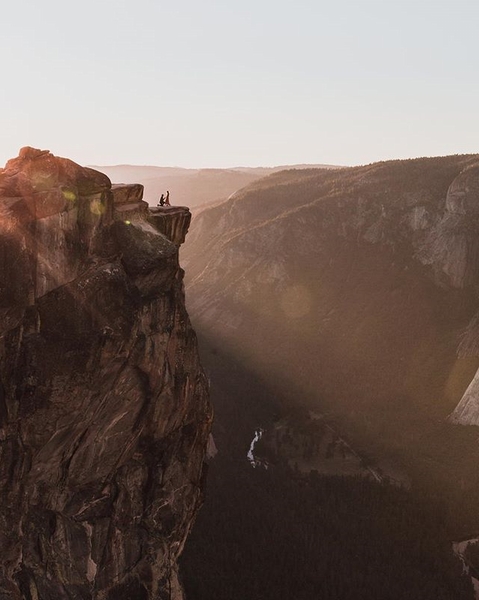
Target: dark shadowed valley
x,y
337,311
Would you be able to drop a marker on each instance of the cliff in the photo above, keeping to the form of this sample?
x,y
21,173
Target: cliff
x,y
104,410
353,292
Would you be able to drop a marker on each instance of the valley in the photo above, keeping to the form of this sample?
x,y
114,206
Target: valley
x,y
348,295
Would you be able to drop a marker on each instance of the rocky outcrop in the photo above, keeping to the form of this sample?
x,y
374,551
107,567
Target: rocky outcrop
x,y
452,249
467,411
451,245
172,221
104,411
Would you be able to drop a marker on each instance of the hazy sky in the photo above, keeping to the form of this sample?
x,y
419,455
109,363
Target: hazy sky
x,y
249,82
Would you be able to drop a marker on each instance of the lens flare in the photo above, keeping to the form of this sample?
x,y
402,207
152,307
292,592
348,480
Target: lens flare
x,y
69,195
97,207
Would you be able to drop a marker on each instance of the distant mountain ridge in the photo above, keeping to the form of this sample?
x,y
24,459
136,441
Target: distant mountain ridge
x,y
190,187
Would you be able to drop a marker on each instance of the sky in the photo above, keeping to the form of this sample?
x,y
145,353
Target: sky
x,y
219,83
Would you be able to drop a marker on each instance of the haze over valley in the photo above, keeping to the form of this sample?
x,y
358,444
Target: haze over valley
x,y
239,300
190,187
336,310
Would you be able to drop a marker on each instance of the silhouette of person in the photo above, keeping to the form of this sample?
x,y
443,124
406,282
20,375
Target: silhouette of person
x,y
162,200
167,199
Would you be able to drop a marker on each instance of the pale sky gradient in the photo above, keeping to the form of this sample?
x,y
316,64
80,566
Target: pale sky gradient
x,y
217,83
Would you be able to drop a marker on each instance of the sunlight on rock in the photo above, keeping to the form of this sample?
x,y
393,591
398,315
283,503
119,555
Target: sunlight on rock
x,y
296,301
42,180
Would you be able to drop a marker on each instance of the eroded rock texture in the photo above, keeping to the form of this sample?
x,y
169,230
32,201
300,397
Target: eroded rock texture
x,y
104,412
357,286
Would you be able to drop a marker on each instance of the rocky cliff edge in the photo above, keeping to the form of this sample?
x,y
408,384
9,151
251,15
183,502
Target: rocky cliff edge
x,y
104,411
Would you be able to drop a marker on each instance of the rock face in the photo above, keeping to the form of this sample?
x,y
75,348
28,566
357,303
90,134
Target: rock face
x,y
174,229
356,288
467,411
104,410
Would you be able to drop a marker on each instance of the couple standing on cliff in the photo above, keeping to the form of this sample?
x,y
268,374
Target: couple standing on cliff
x,y
164,201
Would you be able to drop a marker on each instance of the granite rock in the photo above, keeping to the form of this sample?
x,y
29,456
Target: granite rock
x,y
104,410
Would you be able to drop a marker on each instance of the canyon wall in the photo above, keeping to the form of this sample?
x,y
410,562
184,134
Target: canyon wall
x,y
356,287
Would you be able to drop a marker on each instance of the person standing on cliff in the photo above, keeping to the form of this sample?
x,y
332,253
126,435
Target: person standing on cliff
x,y
167,199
